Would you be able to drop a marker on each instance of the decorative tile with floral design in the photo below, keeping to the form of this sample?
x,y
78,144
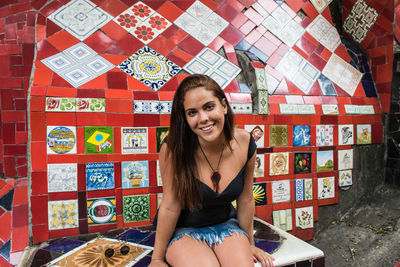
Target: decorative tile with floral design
x,y
62,177
279,163
345,159
326,187
324,135
98,140
134,140
135,174
280,191
283,219
345,178
302,162
61,139
63,214
260,194
136,208
90,105
363,134
101,211
305,217
60,104
278,135
100,176
150,68
303,189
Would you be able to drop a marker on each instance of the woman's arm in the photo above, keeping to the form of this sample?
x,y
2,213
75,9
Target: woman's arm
x,y
168,212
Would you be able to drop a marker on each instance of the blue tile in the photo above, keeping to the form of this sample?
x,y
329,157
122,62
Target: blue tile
x,y
133,235
369,88
244,88
243,46
251,56
263,57
143,262
7,200
279,1
326,85
149,241
5,250
268,246
63,245
367,77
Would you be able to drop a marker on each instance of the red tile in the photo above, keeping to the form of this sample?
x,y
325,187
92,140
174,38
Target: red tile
x,y
114,31
5,229
170,11
20,196
40,233
115,119
39,183
113,8
45,49
39,214
227,11
19,238
83,119
63,233
130,44
20,216
99,41
191,45
116,80
232,35
162,45
177,60
146,120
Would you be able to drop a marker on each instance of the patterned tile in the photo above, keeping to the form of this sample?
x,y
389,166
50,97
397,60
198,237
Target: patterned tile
x,y
80,18
302,162
62,177
136,208
324,135
330,109
134,140
241,108
98,140
301,135
291,32
283,219
258,132
363,134
90,105
101,211
324,32
60,104
63,214
278,135
146,106
346,134
279,163
360,20
345,159
305,217
260,194
100,176
325,161
212,64
326,85
303,189
135,174
259,168
262,102
78,64
150,68
326,187
280,191
320,5
61,140
345,178
261,80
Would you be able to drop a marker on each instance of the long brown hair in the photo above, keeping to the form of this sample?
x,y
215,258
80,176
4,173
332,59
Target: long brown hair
x,y
183,142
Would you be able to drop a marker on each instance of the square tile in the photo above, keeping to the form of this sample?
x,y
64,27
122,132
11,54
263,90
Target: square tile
x,y
260,194
134,140
324,135
345,159
61,139
290,33
279,163
257,131
283,219
305,217
63,214
80,18
325,161
278,135
346,134
302,162
320,5
259,168
101,211
326,187
146,107
280,191
304,189
363,134
136,208
301,135
98,140
135,174
62,177
150,68
345,178
100,176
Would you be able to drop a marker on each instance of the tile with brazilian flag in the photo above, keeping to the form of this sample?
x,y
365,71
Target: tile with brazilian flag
x,y
98,140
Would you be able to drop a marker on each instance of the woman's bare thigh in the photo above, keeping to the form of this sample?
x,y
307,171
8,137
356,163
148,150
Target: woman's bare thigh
x,y
235,251
188,251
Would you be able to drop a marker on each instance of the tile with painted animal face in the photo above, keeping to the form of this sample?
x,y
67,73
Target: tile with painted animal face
x,y
98,140
63,214
280,191
134,140
61,140
345,159
279,163
326,187
301,135
305,217
304,189
302,162
345,178
260,194
135,174
324,135
62,177
283,219
324,161
278,135
101,211
136,208
363,134
100,176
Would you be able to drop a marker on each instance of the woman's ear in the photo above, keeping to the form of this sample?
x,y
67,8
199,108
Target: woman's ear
x,y
223,102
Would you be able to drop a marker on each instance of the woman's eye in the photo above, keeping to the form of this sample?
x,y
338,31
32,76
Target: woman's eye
x,y
191,113
209,107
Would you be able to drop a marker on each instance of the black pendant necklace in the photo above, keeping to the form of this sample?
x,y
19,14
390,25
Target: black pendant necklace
x,y
215,175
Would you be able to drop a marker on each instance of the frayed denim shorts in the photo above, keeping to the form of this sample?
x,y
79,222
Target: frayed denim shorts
x,y
212,235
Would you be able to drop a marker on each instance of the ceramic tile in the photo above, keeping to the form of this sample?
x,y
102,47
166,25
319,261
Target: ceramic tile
x,y
101,211
134,140
324,135
146,107
212,64
360,20
324,161
263,102
60,104
136,208
290,33
63,245
301,135
80,18
330,109
256,54
5,250
345,159
63,214
346,134
98,140
326,187
304,189
350,79
303,82
62,177
100,176
320,5
289,108
345,178
278,135
261,81
304,217
161,134
158,173
352,109
326,85
302,162
241,108
199,11
90,105
258,132
150,68
279,163
135,174
134,235
363,134
259,194
259,167
78,64
290,64
61,140
280,191
283,219
272,83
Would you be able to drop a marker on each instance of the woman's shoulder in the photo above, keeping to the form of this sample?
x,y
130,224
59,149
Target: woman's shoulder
x,y
241,136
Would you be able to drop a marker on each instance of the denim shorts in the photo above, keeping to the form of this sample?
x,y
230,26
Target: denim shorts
x,y
212,235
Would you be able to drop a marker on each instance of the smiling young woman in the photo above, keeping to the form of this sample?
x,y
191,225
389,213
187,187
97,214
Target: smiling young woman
x,y
206,164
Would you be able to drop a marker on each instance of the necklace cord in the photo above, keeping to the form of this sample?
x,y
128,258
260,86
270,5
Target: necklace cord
x,y
219,161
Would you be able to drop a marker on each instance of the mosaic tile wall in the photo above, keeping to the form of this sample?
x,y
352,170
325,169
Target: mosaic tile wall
x,y
105,74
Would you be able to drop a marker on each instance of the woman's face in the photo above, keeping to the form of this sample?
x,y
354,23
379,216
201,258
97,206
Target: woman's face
x,y
205,114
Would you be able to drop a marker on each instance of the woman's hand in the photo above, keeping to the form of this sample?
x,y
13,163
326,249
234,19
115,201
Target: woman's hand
x,y
263,257
158,263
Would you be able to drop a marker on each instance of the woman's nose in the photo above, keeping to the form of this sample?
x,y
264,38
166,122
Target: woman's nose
x,y
203,116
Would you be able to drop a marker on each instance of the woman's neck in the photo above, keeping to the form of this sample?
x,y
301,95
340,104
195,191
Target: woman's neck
x,y
214,146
